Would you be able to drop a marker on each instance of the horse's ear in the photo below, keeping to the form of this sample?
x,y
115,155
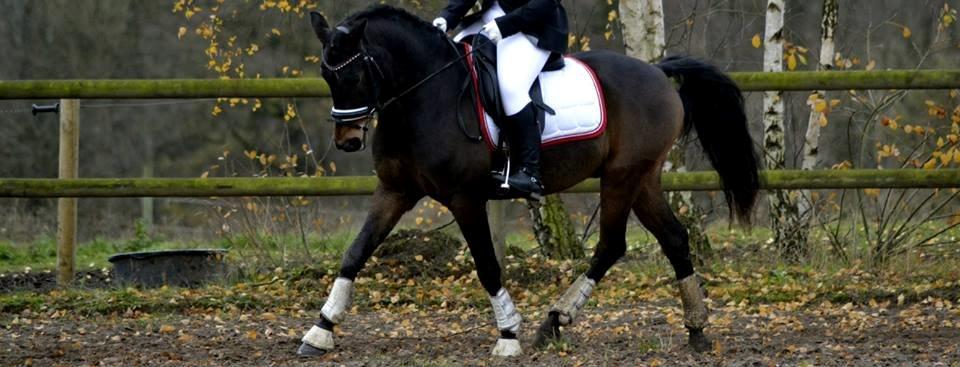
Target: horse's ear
x,y
320,26
356,32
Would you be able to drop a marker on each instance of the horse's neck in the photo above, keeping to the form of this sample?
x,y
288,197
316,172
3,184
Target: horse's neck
x,y
422,111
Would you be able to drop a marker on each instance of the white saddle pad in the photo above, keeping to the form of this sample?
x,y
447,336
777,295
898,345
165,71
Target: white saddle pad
x,y
574,92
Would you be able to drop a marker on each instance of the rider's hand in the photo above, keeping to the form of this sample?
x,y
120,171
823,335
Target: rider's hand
x,y
493,31
440,23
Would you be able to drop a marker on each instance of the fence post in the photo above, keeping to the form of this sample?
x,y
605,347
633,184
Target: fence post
x,y
67,207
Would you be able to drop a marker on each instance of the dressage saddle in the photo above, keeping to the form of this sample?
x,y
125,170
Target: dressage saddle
x,y
485,68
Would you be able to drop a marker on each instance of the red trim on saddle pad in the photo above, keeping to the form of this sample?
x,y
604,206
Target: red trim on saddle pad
x,y
481,113
481,119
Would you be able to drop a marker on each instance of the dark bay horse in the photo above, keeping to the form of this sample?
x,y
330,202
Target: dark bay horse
x,y
389,62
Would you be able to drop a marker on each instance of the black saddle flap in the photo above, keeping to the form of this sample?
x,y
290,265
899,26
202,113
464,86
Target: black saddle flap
x,y
485,56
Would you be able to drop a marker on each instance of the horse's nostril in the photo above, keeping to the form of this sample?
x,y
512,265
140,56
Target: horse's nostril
x,y
351,145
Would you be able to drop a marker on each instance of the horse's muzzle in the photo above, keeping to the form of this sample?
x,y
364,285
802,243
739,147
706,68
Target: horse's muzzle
x,y
351,145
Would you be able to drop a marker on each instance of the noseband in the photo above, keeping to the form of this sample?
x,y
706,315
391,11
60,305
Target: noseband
x,y
350,117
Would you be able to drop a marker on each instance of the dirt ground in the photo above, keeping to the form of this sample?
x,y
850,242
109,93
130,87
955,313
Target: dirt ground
x,y
623,335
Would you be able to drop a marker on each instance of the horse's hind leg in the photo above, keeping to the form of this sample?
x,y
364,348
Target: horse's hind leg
x,y
656,215
614,211
388,207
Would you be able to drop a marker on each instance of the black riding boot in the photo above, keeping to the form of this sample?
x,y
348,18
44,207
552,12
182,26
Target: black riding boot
x,y
523,134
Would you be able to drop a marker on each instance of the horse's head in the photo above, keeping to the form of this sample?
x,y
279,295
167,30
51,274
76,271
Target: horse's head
x,y
352,75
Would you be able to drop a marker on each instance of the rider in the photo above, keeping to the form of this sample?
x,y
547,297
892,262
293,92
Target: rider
x,y
525,32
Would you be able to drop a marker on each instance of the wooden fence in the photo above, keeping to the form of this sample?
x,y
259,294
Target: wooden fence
x,y
311,87
68,187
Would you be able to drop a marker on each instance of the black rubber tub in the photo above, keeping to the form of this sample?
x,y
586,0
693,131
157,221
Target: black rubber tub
x,y
181,268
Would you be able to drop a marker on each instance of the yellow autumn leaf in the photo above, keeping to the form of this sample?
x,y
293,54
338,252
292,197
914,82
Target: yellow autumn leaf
x,y
333,167
820,105
906,32
182,32
823,120
871,65
872,192
931,164
756,41
419,220
792,62
834,103
166,329
946,158
252,335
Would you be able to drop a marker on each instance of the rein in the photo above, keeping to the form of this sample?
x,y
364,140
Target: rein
x,y
349,117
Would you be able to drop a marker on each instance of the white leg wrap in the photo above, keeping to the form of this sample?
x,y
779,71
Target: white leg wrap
x,y
505,311
340,298
573,299
507,348
695,311
319,338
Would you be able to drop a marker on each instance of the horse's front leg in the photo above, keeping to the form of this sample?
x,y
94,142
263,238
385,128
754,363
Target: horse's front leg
x,y
471,216
388,207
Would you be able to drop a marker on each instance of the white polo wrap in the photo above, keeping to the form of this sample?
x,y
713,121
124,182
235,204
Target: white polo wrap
x,y
319,338
505,311
340,298
573,299
695,312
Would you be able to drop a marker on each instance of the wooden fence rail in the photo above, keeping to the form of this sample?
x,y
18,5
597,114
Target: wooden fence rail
x,y
364,185
314,87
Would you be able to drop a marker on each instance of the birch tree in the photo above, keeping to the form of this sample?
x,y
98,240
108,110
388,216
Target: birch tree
x,y
643,29
644,38
818,102
790,233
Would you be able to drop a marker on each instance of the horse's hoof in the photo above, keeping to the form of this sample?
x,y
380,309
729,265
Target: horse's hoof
x,y
308,350
317,342
548,332
507,348
699,341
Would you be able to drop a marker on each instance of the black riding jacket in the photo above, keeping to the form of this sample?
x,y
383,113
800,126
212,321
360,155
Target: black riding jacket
x,y
544,19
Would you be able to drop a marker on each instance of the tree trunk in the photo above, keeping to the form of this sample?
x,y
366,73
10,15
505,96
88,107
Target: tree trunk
x,y
554,229
819,103
643,35
790,233
643,30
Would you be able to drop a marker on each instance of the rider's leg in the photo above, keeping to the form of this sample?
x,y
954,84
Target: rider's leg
x,y
519,62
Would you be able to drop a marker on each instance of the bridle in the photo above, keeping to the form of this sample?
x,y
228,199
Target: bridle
x,y
350,117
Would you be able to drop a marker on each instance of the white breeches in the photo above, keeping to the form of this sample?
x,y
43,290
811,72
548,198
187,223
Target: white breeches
x,y
519,62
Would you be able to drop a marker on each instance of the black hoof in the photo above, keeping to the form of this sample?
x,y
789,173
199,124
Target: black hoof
x,y
699,341
308,350
548,332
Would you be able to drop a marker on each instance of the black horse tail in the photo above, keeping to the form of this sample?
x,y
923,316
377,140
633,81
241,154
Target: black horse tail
x,y
713,106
